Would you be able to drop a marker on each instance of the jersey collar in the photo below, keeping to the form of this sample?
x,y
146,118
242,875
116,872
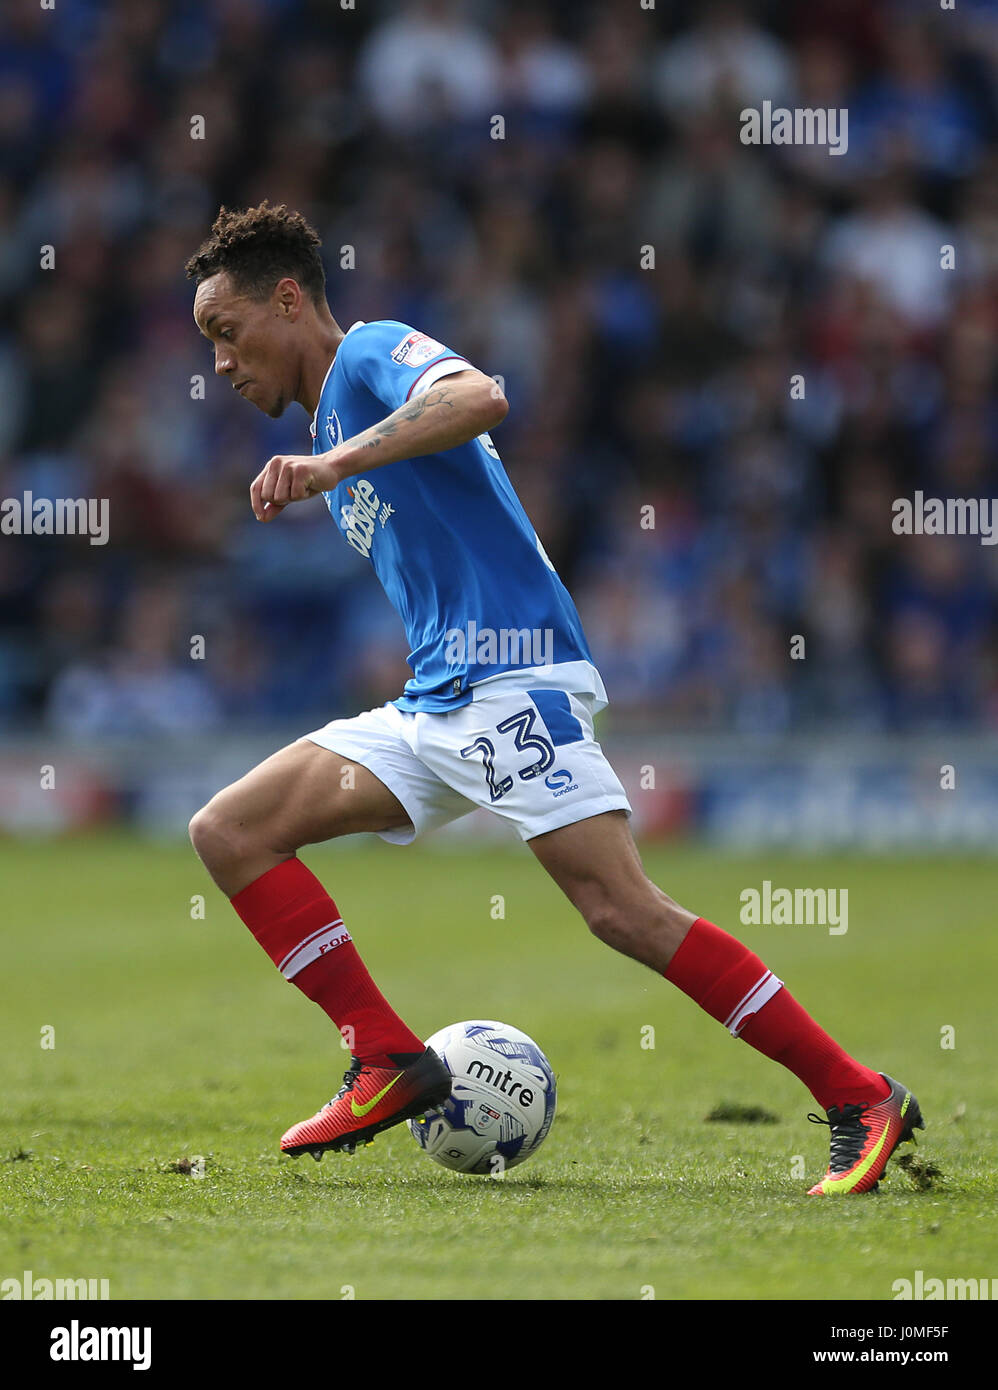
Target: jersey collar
x,y
315,418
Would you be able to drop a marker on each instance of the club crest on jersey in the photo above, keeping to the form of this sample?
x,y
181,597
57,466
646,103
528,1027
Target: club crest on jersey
x,y
416,350
358,519
334,430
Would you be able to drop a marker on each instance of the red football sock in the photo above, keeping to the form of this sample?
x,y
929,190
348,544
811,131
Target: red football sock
x,y
299,926
733,985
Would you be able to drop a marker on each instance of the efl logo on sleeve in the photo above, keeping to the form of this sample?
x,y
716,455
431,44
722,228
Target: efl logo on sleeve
x,y
416,350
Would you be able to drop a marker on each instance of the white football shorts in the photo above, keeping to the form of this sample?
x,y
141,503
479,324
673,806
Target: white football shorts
x,y
527,754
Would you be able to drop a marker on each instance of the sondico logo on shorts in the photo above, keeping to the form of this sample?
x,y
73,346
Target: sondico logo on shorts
x,y
560,782
358,519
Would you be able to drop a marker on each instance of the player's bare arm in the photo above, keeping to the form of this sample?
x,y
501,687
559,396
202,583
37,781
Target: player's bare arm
x,y
453,411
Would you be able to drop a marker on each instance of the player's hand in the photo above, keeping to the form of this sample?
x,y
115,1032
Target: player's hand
x,y
291,478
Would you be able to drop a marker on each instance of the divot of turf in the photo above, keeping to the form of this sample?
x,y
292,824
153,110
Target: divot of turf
x,y
923,1174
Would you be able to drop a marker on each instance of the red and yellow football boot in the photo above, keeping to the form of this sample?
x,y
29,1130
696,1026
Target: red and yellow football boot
x,y
371,1099
863,1139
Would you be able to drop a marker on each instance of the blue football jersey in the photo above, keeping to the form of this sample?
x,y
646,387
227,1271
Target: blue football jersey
x,y
446,534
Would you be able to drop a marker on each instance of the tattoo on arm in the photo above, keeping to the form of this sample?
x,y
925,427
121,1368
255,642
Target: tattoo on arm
x,y
412,410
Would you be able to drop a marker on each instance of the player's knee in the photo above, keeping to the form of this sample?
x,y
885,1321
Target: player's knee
x,y
201,829
216,837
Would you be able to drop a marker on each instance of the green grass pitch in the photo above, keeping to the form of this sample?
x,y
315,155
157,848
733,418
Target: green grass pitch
x,y
174,1037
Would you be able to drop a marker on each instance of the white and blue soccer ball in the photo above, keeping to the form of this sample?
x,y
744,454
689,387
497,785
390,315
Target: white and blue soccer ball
x,y
502,1100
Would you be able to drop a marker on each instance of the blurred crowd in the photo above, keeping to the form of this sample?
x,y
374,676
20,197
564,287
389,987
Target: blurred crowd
x,y
646,285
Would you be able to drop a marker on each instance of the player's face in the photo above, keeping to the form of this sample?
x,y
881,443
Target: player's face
x,y
253,347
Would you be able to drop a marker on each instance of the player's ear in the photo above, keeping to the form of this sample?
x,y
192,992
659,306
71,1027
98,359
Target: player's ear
x,y
288,298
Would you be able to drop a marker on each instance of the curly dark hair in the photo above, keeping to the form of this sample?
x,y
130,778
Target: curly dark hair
x,y
258,247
